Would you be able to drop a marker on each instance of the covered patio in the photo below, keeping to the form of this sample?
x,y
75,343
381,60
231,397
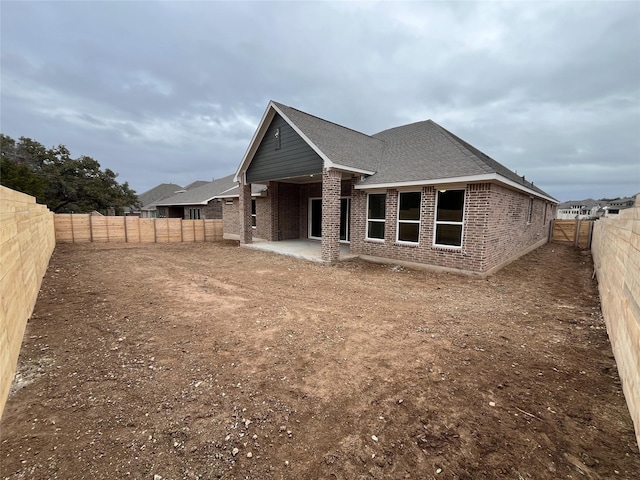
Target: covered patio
x,y
299,248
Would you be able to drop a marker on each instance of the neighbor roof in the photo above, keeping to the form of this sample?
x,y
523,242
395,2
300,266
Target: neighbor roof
x,y
200,195
158,192
224,187
414,154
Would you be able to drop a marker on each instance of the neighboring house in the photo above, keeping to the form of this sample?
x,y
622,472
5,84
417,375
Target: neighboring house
x,y
579,209
592,209
199,202
613,207
149,198
414,193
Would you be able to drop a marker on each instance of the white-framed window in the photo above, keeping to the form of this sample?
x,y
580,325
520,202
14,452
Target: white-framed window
x,y
449,218
530,211
253,213
228,201
376,212
194,214
409,217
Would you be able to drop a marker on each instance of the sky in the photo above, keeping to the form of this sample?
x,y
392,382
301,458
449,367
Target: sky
x,y
172,92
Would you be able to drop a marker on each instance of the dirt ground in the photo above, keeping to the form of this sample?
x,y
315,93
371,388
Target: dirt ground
x,y
214,361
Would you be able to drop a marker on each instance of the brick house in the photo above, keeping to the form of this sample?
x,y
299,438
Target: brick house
x,y
414,193
196,202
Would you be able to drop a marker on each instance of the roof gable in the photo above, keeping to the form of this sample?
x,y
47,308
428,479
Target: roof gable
x,y
282,154
337,146
418,153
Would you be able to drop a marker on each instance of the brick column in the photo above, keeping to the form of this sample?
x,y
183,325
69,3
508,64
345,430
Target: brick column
x,y
244,214
331,183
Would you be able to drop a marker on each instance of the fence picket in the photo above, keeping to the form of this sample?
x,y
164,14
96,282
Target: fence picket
x,y
80,228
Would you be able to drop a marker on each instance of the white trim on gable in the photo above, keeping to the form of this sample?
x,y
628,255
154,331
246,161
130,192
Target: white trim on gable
x,y
258,135
268,116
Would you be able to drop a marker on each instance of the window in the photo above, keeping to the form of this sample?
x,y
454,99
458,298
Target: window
x,y
530,211
253,213
194,214
449,215
228,202
376,210
409,217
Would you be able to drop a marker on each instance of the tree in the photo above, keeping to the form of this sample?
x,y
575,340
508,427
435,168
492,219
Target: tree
x,y
62,183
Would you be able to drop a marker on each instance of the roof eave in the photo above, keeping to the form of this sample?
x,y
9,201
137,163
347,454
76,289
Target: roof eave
x,y
489,177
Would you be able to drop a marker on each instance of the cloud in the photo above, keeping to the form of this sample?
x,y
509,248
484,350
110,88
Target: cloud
x,y
173,91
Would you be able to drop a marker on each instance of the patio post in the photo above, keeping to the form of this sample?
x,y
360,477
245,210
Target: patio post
x,y
331,185
246,231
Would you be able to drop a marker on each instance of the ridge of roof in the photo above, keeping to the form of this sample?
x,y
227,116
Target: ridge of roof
x,y
494,165
280,105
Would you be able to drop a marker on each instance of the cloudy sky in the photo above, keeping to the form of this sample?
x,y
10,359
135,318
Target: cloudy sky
x,y
173,91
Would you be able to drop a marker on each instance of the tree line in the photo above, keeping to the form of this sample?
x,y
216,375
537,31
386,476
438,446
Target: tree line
x,y
64,184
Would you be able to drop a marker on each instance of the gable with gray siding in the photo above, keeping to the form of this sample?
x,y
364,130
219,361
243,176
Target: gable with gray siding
x,y
293,158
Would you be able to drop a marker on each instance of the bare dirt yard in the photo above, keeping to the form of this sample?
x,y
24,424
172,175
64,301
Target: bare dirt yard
x,y
214,361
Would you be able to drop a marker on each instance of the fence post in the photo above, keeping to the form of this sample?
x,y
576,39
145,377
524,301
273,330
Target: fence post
x,y
73,237
577,239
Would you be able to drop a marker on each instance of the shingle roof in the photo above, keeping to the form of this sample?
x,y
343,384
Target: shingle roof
x,y
158,192
197,183
200,195
418,152
588,203
426,151
341,145
220,188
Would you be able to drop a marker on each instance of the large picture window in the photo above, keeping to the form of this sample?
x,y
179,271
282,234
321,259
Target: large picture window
x,y
449,216
376,211
409,217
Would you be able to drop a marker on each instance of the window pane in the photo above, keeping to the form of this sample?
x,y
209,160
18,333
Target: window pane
x,y
408,232
450,205
316,217
449,235
409,206
377,206
253,207
376,230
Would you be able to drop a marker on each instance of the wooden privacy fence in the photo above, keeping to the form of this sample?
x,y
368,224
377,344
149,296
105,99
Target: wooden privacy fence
x,y
77,228
26,244
576,232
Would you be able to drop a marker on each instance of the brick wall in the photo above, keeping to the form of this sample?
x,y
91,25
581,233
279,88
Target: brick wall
x,y
495,229
508,232
290,207
230,216
331,191
212,210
